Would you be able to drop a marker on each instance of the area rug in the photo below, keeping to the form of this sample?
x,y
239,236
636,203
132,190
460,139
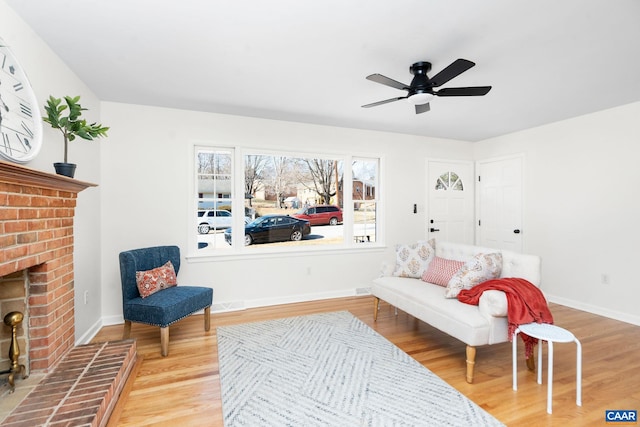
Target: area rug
x,y
331,369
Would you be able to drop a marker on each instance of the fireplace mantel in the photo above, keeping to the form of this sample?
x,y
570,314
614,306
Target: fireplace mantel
x,y
18,174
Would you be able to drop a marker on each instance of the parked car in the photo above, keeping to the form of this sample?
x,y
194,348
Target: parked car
x,y
320,214
272,228
214,219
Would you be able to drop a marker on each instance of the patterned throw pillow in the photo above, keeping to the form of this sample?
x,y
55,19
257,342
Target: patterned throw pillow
x,y
412,260
151,281
478,269
441,270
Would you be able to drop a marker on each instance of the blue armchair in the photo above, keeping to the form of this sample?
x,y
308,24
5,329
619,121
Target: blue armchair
x,y
161,308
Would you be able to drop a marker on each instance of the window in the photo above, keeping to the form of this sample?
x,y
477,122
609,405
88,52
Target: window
x,y
365,202
283,201
449,181
214,187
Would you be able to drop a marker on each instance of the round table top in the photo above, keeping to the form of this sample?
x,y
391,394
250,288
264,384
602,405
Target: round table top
x,y
547,332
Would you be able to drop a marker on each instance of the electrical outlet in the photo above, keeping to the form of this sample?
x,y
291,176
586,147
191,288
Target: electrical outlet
x,y
86,297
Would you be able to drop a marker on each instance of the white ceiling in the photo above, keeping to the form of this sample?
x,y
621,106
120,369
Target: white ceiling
x,y
306,61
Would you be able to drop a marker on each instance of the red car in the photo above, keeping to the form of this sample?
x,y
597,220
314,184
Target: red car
x,y
320,214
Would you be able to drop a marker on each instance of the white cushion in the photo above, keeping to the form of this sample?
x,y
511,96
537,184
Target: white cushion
x,y
493,303
425,301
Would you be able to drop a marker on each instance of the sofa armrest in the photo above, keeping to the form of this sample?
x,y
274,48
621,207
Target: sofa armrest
x,y
493,303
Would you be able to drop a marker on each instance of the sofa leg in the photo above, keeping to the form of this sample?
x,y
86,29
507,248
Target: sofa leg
x,y
376,305
471,362
126,333
207,318
164,341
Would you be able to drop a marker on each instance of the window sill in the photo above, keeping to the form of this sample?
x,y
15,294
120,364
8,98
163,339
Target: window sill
x,y
194,257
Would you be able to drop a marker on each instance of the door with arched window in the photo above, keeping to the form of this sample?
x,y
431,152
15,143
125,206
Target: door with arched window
x,y
450,201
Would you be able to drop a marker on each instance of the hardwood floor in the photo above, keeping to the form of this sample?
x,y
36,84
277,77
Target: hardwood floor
x,y
183,389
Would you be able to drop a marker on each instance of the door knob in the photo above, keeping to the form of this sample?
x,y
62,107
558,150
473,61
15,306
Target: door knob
x,y
433,229
516,231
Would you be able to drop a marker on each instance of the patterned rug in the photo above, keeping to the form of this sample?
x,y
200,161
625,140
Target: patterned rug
x,y
331,369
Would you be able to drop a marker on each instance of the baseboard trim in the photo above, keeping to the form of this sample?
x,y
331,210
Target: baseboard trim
x,y
91,332
612,314
116,319
223,307
266,302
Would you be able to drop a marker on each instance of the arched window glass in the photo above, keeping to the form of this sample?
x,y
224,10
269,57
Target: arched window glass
x,y
449,181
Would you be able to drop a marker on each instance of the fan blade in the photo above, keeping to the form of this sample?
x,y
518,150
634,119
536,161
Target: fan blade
x,y
464,91
423,108
386,101
379,78
454,69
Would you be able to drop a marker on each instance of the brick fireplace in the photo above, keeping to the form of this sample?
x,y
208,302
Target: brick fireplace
x,y
36,263
81,384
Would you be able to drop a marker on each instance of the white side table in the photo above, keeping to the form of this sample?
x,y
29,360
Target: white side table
x,y
550,334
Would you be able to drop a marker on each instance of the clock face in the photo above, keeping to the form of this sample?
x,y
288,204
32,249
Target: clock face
x,y
20,121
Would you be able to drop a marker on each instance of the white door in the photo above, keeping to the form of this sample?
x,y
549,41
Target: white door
x,y
500,203
450,197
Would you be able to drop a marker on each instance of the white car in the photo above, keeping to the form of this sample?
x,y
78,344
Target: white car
x,y
215,219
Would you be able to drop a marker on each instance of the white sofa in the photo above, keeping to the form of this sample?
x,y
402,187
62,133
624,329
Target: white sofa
x,y
474,325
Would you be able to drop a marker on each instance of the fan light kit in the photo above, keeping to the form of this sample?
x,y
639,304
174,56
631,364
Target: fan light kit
x,y
420,98
420,92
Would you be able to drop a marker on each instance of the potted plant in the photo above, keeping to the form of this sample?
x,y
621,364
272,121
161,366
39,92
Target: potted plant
x,y
71,125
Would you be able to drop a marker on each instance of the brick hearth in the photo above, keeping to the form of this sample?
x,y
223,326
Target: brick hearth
x,y
81,391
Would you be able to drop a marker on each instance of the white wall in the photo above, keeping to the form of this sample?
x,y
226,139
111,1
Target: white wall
x,y
581,208
146,199
50,76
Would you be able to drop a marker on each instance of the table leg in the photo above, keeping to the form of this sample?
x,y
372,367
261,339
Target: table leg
x,y
550,378
578,373
540,361
515,359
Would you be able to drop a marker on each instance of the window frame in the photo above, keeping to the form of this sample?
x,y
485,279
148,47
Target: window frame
x,y
365,192
237,249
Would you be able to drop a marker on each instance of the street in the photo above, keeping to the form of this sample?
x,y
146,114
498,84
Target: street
x,y
320,234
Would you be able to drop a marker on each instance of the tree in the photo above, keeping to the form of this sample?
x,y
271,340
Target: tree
x,y
254,166
322,173
282,177
214,163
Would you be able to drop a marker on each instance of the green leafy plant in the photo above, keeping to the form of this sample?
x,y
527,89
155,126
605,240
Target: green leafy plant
x,y
71,125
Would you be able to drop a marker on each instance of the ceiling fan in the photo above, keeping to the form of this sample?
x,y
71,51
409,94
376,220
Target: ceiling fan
x,y
420,91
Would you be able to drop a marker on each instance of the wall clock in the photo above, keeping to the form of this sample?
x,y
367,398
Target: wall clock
x,y
20,121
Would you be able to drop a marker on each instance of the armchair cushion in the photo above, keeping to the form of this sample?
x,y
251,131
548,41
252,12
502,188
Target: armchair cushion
x,y
167,307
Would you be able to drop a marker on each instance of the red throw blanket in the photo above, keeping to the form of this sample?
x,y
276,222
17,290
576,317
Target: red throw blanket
x,y
525,304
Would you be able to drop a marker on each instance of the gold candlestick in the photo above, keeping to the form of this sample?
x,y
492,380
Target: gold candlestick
x,y
13,320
